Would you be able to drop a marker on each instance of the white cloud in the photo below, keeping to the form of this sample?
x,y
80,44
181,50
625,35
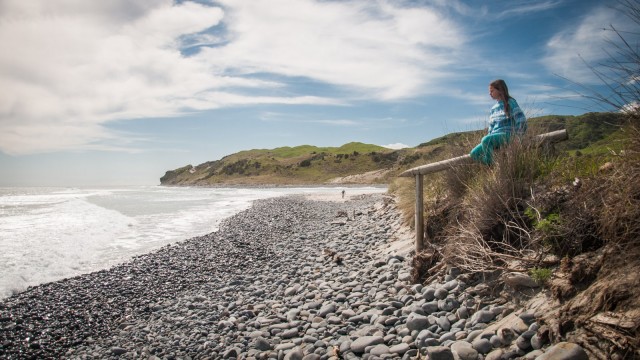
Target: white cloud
x,y
523,8
385,51
572,52
396,146
72,66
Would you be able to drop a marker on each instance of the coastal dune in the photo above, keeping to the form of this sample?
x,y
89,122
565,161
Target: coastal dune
x,y
289,278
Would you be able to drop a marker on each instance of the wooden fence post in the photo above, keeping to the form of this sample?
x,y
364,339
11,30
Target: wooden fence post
x,y
419,214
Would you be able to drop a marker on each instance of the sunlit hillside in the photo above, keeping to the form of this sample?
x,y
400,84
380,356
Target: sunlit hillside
x,y
307,164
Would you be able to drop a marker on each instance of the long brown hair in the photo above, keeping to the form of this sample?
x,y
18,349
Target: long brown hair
x,y
503,90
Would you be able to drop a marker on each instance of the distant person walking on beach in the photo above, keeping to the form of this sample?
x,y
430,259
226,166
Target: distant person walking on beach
x,y
343,194
505,119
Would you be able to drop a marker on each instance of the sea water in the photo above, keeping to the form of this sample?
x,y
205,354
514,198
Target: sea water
x,y
48,234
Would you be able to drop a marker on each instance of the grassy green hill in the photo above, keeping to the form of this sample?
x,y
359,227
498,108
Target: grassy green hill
x,y
307,164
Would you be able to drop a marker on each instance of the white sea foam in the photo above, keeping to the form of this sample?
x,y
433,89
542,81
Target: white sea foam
x,y
47,234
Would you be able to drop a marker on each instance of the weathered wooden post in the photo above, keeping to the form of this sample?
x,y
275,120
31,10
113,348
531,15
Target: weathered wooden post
x,y
419,213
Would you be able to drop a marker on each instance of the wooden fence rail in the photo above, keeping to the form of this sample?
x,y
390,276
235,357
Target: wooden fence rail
x,y
420,171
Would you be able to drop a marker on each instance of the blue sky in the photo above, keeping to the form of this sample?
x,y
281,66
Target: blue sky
x,y
117,92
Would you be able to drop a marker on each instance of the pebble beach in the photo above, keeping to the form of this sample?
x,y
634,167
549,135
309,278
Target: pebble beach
x,y
290,278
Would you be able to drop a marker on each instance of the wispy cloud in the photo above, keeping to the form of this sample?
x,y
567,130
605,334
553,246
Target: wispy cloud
x,y
336,122
520,8
73,66
579,49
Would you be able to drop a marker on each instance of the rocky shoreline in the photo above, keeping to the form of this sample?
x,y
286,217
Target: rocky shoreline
x,y
288,278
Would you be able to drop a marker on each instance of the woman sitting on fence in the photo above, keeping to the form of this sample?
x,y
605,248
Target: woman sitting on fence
x,y
505,120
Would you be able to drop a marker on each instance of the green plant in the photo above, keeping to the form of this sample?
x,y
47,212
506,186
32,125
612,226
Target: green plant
x,y
540,275
551,230
549,224
532,214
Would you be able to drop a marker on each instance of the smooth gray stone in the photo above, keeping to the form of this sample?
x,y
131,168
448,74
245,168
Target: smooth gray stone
x,y
285,346
446,304
431,342
439,353
443,323
358,318
293,314
359,344
482,316
497,310
289,334
118,350
417,322
430,307
441,293
312,305
462,312
459,324
479,326
447,336
536,342
411,354
482,346
450,285
467,353
345,346
495,341
348,313
262,344
494,355
564,351
487,334
309,339
399,349
523,343
423,336
473,335
428,293
464,350
231,353
397,304
291,290
388,311
327,309
294,354
379,350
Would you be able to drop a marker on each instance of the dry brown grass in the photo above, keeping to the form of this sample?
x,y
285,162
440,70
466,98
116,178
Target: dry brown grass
x,y
492,229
